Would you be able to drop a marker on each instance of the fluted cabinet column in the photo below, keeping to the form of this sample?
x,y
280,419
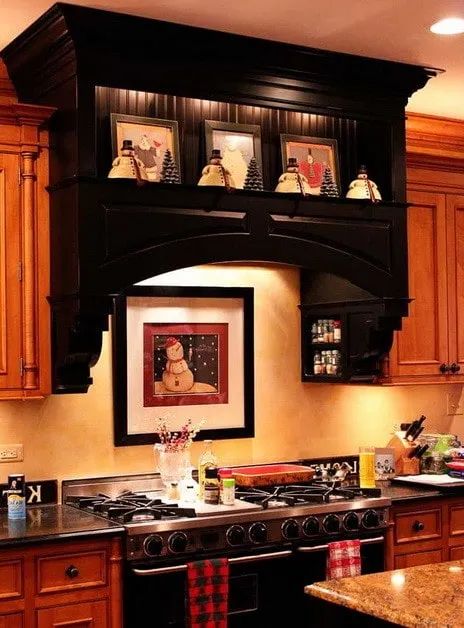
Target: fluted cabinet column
x,y
29,270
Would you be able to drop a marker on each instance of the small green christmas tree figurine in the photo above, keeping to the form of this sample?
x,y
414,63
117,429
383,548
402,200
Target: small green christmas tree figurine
x,y
169,172
328,185
254,178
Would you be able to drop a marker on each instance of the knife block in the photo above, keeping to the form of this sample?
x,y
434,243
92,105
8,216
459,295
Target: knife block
x,y
402,448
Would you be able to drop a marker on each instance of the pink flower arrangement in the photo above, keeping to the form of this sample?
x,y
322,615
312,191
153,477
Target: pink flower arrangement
x,y
180,439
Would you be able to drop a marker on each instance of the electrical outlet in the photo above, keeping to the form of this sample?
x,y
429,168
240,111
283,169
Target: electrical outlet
x,y
11,453
454,403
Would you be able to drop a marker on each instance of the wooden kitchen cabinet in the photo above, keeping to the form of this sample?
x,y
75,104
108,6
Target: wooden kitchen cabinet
x,y
428,531
83,615
24,252
15,620
430,346
72,583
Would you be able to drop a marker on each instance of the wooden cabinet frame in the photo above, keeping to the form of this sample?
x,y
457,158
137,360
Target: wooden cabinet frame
x,y
24,252
435,176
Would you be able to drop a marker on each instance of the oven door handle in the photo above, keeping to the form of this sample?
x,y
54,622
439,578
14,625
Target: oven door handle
x,y
320,548
237,559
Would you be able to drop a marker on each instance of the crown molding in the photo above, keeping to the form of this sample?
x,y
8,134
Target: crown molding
x,y
434,142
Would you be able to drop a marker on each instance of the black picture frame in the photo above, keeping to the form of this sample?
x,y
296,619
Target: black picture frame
x,y
286,139
122,437
253,130
120,119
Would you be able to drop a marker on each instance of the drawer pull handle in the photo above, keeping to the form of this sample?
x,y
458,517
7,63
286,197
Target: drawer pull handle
x,y
455,368
418,526
72,571
444,368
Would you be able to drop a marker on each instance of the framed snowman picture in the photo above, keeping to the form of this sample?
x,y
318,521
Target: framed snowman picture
x,y
183,353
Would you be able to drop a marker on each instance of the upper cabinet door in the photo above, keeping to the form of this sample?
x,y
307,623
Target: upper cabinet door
x,y
10,274
422,345
455,245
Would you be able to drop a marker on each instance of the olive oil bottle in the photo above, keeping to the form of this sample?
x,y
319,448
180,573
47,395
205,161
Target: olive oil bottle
x,y
207,459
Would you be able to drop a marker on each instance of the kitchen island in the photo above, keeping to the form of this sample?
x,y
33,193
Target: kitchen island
x,y
428,595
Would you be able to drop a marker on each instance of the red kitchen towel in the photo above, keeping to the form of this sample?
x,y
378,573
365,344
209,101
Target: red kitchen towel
x,y
343,559
208,591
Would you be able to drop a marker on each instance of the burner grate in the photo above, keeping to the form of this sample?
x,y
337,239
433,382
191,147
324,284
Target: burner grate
x,y
128,507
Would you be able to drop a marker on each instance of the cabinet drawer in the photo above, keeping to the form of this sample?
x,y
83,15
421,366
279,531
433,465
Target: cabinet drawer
x,y
418,558
71,571
419,525
456,520
83,615
11,579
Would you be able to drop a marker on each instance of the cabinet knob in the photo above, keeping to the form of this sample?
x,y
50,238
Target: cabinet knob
x,y
444,368
72,571
455,368
418,526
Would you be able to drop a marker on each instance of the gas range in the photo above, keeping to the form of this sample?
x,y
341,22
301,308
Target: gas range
x,y
159,530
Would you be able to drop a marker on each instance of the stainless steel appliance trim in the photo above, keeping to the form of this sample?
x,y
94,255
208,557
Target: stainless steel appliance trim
x,y
237,559
286,512
319,548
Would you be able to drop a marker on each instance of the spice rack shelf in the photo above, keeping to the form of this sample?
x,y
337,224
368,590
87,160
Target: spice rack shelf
x,y
365,338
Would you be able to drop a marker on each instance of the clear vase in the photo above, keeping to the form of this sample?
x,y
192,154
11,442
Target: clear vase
x,y
174,466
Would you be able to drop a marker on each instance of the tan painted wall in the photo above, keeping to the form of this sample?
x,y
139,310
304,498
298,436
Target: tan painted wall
x,y
71,435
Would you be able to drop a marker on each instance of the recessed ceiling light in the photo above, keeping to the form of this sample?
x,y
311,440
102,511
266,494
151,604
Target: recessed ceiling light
x,y
448,26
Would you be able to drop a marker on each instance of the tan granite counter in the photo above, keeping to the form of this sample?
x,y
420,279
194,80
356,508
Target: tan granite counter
x,y
429,595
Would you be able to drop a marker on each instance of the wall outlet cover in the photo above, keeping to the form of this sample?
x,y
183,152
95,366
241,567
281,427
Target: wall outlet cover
x,y
11,453
455,403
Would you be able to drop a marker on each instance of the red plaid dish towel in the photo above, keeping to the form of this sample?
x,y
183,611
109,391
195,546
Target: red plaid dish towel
x,y
208,591
343,559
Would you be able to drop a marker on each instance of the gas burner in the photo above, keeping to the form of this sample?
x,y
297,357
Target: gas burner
x,y
130,507
295,495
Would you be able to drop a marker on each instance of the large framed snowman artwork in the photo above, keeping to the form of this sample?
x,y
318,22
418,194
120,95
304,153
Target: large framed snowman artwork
x,y
183,353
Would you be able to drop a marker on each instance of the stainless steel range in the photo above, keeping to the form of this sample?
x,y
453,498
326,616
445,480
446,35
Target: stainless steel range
x,y
282,531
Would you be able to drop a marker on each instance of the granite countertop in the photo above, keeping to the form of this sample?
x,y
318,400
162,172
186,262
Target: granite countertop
x,y
398,493
49,523
429,595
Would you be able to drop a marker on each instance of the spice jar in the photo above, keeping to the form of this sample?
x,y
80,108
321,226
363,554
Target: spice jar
x,y
211,486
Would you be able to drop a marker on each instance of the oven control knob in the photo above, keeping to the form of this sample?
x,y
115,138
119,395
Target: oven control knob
x,y
178,542
235,535
290,529
331,524
153,545
258,533
311,526
371,519
351,522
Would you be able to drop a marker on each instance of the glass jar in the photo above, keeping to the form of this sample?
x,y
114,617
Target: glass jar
x,y
433,460
174,465
367,467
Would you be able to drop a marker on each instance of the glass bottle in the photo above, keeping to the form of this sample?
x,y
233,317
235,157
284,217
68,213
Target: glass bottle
x,y
207,459
211,486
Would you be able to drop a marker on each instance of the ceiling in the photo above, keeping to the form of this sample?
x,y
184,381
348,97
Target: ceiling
x,y
388,29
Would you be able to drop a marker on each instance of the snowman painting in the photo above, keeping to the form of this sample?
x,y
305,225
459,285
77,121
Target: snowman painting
x,y
177,377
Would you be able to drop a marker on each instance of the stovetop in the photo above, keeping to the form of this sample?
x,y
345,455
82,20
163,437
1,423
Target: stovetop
x,y
158,528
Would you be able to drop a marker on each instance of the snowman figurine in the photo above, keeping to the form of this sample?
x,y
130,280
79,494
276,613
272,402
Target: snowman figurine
x,y
177,377
215,173
292,180
363,187
127,166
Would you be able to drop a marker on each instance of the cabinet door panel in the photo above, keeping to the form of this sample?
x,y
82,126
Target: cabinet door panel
x,y
10,257
12,621
455,222
422,344
456,553
418,558
83,615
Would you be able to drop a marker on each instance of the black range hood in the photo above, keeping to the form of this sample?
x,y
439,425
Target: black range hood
x,y
107,234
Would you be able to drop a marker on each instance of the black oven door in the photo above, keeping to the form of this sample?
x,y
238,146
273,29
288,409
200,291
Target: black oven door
x,y
262,592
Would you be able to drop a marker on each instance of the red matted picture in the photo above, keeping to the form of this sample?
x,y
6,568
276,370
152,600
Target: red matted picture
x,y
185,364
